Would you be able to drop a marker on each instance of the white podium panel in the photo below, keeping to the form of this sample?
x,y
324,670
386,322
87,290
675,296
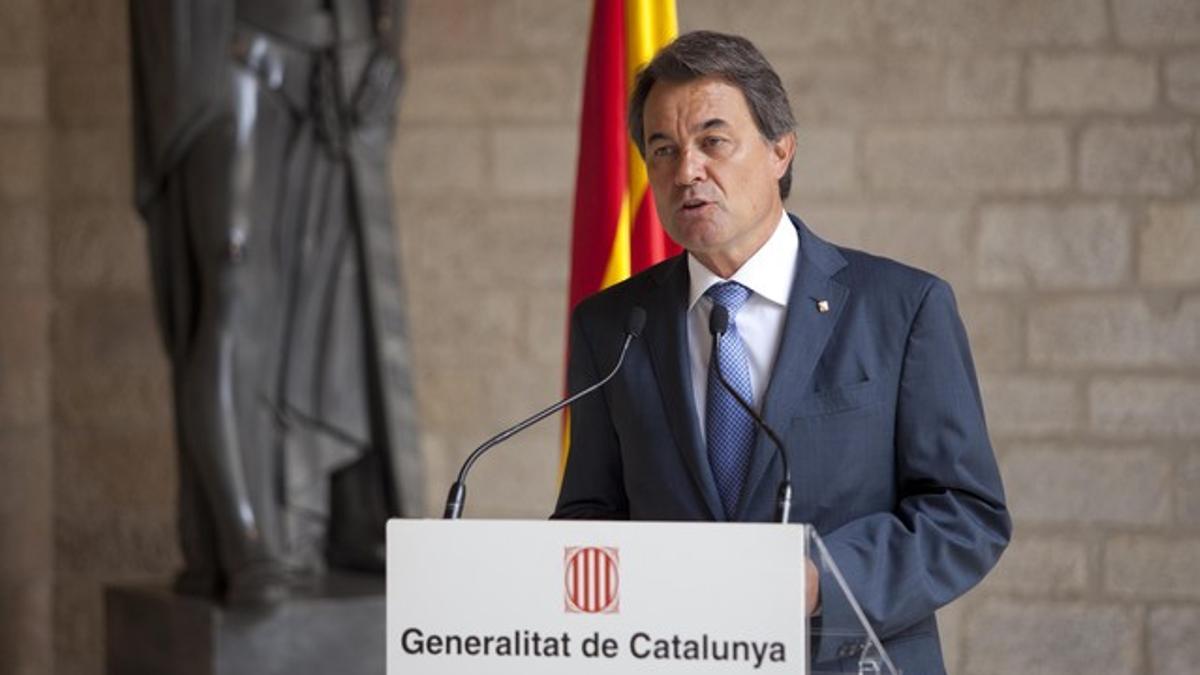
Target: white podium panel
x,y
528,597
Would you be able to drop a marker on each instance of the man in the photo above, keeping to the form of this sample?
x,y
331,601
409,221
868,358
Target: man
x,y
859,363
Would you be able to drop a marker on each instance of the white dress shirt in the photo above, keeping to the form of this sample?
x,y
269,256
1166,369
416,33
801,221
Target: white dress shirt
x,y
768,274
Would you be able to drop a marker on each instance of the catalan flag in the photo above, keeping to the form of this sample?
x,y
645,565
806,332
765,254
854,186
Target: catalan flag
x,y
616,229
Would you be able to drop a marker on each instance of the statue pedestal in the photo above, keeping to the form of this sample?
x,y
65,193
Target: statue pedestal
x,y
152,630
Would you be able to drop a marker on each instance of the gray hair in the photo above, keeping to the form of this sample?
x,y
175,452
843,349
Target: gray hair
x,y
731,58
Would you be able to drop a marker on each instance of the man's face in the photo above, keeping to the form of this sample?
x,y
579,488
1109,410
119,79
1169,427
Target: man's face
x,y
714,176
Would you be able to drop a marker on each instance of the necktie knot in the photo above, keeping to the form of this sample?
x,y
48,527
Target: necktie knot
x,y
729,294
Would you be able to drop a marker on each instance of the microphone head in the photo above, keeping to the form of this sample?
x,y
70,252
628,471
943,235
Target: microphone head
x,y
637,321
718,320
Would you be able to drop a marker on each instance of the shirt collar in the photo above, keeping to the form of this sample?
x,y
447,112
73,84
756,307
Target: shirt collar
x,y
767,273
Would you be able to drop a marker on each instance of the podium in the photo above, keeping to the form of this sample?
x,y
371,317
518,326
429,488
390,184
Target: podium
x,y
529,597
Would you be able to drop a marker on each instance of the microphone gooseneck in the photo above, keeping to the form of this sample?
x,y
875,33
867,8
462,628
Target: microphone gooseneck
x,y
458,491
718,325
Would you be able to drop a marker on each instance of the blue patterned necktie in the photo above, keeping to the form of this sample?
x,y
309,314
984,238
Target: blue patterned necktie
x,y
729,429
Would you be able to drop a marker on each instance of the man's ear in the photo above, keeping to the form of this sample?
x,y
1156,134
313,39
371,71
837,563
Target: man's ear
x,y
783,148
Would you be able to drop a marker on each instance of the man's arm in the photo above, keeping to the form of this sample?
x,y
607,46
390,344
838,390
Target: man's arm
x,y
593,479
950,523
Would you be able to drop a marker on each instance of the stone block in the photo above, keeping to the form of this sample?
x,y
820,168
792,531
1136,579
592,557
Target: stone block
x,y
704,15
444,391
526,487
1187,491
106,543
1134,406
825,161
486,325
930,237
1078,83
547,28
983,86
93,164
1183,81
546,335
528,240
22,32
113,330
838,90
78,624
1114,332
1041,638
996,329
1005,158
87,32
1031,405
90,95
1173,646
25,628
534,162
1157,22
22,163
24,247
106,399
106,474
150,630
438,470
977,24
25,368
1073,485
99,248
1039,565
951,621
1170,245
1137,159
438,160
1152,567
1054,246
451,29
22,93
781,26
504,91
25,505
110,368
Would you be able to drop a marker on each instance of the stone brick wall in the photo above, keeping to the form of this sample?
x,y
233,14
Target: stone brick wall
x,y
1039,154
26,543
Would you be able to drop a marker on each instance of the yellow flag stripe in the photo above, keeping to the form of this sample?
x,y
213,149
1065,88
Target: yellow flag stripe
x,y
619,264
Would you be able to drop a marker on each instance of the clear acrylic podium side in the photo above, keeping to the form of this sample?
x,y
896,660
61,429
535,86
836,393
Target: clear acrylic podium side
x,y
863,653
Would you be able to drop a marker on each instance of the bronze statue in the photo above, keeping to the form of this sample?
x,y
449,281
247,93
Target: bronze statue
x,y
262,131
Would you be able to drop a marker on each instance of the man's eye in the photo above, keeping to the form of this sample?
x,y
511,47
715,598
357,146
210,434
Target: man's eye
x,y
663,151
713,141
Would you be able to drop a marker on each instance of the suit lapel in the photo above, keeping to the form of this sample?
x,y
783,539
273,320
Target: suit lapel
x,y
806,329
666,335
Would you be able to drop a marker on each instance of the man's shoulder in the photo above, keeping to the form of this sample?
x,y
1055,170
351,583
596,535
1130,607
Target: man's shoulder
x,y
870,271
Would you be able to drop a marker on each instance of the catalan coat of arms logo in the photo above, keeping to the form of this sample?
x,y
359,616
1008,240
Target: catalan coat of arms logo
x,y
592,579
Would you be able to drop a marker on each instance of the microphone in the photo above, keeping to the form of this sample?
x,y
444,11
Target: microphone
x,y
458,491
718,324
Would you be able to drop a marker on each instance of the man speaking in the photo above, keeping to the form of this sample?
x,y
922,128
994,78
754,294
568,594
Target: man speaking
x,y
859,363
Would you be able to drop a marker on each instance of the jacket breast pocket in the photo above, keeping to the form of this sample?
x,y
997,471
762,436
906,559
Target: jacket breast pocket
x,y
840,399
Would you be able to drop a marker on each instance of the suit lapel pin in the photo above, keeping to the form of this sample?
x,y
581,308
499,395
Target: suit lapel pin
x,y
822,306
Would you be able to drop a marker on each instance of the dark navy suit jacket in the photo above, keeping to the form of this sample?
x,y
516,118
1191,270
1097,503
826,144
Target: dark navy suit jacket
x,y
877,403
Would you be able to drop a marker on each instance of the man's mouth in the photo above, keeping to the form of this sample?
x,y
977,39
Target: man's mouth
x,y
693,204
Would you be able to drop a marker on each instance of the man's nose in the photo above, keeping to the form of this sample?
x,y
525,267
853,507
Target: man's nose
x,y
690,168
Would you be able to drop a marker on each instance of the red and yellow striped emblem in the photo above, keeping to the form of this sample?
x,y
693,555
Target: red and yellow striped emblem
x,y
592,579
